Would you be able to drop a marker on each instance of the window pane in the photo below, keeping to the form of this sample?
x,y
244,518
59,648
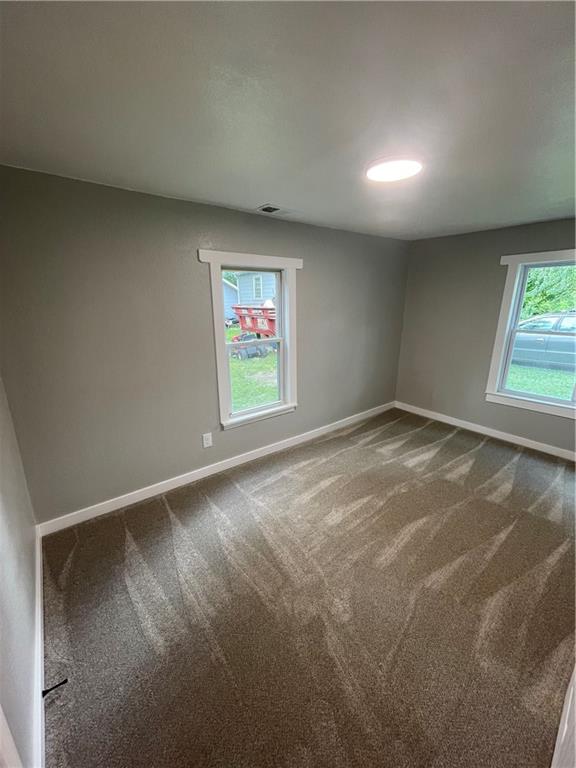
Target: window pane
x,y
568,324
254,374
542,360
539,323
541,382
250,303
549,290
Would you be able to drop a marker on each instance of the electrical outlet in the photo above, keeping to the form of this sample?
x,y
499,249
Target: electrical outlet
x,y
207,440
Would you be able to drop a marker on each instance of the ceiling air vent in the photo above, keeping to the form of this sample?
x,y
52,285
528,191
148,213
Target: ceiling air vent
x,y
267,208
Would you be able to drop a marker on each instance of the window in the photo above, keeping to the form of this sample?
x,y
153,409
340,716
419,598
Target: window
x,y
568,324
534,359
541,323
254,333
257,286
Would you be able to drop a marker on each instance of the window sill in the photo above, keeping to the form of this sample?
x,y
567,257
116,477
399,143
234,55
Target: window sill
x,y
517,401
248,418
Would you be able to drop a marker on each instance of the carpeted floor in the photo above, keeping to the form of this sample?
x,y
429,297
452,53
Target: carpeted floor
x,y
399,594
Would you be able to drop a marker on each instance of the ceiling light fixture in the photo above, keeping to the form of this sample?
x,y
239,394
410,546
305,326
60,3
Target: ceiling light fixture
x,y
393,170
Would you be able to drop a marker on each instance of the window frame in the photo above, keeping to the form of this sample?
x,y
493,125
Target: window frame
x,y
518,265
286,317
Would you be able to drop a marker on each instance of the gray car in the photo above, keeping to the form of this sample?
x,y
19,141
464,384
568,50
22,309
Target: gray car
x,y
547,340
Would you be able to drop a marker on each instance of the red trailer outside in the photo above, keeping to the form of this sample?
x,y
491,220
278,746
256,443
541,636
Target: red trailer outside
x,y
257,319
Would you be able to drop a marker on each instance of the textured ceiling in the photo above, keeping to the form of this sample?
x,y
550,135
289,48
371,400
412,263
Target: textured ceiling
x,y
241,104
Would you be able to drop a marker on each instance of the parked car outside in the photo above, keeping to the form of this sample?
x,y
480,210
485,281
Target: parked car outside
x,y
547,341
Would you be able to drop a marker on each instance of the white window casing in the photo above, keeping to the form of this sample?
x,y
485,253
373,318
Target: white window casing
x,y
287,267
511,304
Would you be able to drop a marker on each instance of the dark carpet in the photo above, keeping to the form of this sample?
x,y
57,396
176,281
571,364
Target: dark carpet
x,y
399,594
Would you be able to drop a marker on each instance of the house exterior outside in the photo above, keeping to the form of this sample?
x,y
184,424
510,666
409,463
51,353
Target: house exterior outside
x,y
230,298
255,288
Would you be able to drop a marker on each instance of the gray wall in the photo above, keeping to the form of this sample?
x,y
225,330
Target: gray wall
x,y
453,298
108,354
17,585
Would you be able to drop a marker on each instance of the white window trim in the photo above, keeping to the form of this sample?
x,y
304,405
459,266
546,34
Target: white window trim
x,y
508,311
250,261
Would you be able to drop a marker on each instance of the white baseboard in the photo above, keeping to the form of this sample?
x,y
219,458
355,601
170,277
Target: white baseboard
x,y
38,745
73,518
110,505
562,453
9,757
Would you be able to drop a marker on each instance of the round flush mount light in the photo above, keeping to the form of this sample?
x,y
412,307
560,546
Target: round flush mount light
x,y
393,170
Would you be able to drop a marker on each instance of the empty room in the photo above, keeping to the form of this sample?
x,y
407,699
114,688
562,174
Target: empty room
x,y
288,384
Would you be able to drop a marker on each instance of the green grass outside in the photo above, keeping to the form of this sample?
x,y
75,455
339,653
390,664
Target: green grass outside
x,y
547,382
231,332
254,381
